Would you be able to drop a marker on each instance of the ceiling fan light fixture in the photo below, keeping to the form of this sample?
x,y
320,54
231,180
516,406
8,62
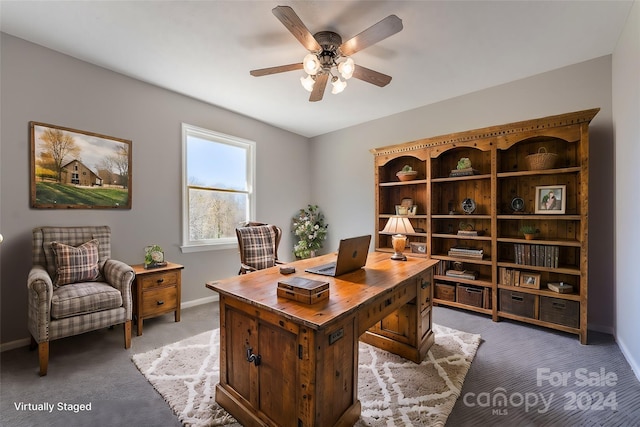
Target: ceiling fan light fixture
x,y
346,68
311,64
307,82
338,85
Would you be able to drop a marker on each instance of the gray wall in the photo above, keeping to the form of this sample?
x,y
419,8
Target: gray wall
x,y
626,109
43,85
578,87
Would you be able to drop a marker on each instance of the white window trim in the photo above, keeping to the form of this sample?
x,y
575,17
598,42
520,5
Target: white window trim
x,y
227,243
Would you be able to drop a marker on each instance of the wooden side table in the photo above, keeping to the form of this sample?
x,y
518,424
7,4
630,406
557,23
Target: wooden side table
x,y
156,291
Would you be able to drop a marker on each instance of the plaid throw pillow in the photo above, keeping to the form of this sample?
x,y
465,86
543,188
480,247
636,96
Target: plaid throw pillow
x,y
76,264
259,246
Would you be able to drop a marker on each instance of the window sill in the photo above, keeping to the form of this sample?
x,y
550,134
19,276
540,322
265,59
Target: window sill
x,y
185,249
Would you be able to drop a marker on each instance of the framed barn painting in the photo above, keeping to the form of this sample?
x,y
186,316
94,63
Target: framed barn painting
x,y
75,169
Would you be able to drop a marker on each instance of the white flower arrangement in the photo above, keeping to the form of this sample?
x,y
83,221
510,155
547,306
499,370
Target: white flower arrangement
x,y
311,230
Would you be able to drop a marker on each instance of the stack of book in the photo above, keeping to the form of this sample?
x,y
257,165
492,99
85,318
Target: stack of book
x,y
462,274
538,255
465,252
470,233
463,172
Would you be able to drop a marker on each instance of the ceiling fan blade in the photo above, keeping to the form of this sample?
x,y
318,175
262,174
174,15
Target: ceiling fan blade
x,y
274,70
318,87
371,76
372,35
294,24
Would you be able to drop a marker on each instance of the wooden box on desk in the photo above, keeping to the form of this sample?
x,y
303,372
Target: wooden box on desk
x,y
303,290
445,292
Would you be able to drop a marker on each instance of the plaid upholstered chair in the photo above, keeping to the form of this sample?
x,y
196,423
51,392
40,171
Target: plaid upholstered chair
x,y
258,245
74,286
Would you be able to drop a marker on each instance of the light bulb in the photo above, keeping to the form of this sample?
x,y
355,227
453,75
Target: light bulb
x,y
311,64
347,68
338,85
307,83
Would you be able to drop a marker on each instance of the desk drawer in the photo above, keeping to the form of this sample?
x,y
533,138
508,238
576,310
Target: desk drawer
x,y
160,279
159,300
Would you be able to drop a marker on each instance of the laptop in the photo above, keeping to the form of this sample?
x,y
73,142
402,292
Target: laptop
x,y
352,255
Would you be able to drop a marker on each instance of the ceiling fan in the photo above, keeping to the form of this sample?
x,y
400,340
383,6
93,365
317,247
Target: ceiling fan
x,y
329,56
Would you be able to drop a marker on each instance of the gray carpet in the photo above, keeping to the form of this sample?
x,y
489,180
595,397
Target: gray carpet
x,y
94,368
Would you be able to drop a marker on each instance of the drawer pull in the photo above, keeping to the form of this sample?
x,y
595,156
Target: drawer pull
x,y
425,284
160,280
253,358
517,298
160,302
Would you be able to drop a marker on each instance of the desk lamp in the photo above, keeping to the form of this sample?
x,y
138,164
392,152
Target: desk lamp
x,y
399,227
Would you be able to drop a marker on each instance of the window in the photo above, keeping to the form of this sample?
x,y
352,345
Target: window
x,y
218,188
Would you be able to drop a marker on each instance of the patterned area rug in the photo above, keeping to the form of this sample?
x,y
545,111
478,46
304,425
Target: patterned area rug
x,y
392,390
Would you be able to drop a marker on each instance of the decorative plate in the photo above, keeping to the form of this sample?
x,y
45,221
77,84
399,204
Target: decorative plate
x,y
517,204
468,205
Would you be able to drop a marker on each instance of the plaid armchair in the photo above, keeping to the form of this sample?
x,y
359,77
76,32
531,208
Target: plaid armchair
x,y
258,245
74,286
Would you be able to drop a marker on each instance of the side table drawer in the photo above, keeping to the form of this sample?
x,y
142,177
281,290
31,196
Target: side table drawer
x,y
159,300
160,279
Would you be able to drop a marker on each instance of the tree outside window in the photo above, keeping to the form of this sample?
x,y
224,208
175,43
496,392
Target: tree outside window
x,y
218,193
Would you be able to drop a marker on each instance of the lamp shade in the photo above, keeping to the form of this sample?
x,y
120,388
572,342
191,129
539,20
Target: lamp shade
x,y
347,68
398,225
307,83
311,64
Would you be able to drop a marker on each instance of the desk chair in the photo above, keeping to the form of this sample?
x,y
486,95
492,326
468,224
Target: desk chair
x,y
258,244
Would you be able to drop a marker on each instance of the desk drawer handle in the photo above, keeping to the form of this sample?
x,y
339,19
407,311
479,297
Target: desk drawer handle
x,y
160,302
160,280
425,284
255,358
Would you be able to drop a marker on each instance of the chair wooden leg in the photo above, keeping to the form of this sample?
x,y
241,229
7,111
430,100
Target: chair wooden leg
x,y
127,334
43,356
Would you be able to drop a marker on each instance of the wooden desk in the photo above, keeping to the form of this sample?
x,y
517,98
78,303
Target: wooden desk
x,y
284,363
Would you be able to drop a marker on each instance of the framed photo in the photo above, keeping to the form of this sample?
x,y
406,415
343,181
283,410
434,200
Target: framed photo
x,y
529,280
551,199
78,169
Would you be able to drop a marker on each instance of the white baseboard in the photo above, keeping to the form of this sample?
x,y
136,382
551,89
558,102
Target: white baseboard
x,y
23,342
635,364
605,329
200,301
12,345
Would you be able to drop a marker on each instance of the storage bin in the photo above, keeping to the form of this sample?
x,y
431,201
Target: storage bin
x,y
445,292
469,295
518,303
560,311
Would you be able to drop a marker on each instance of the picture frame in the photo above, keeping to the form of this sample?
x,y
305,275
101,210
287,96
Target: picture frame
x,y
551,199
75,169
529,280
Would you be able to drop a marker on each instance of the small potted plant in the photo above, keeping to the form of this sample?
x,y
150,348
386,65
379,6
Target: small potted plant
x,y
407,173
529,231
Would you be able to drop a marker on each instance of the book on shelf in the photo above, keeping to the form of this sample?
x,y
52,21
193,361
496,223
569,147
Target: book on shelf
x,y
461,251
509,276
462,274
538,255
463,172
470,233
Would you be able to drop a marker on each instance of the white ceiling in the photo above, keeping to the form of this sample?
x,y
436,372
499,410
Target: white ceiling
x,y
205,49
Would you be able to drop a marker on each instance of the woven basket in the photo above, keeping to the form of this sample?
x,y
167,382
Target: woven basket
x,y
541,160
